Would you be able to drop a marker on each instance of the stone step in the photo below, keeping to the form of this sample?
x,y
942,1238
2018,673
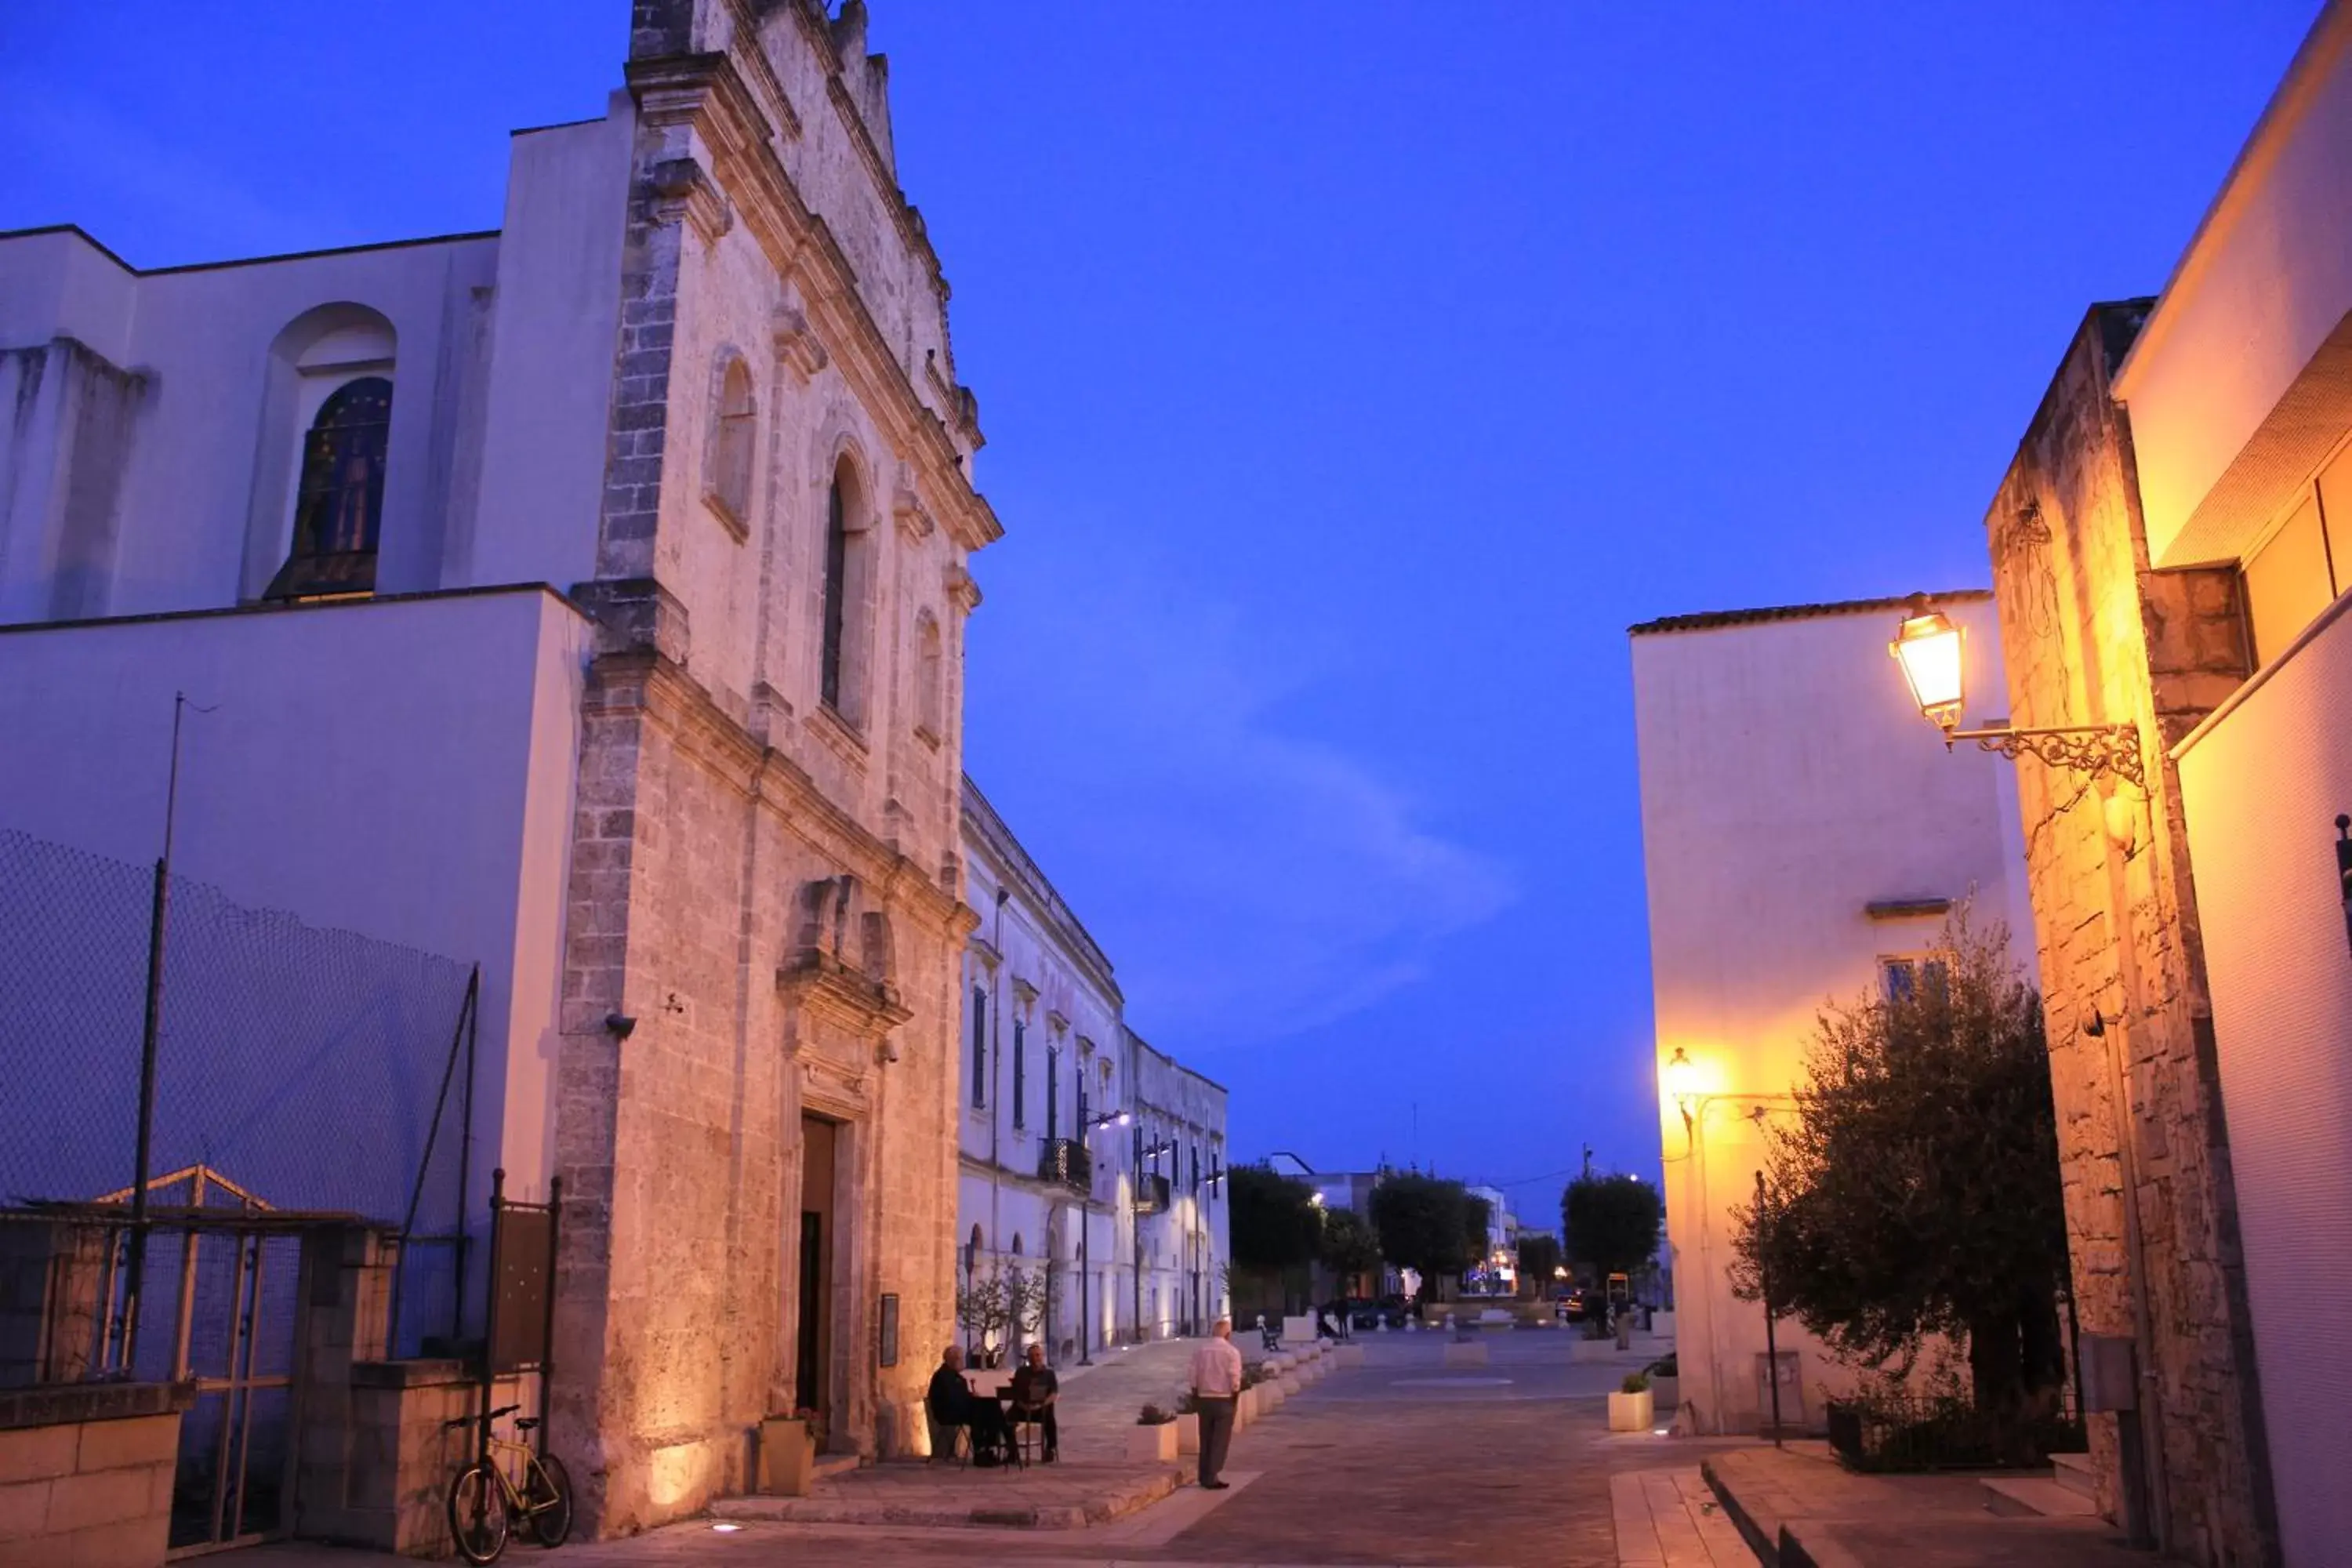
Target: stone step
x,y
828,1465
2036,1494
2073,1472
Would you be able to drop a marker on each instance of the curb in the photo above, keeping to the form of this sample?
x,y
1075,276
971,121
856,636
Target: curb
x,y
1763,1535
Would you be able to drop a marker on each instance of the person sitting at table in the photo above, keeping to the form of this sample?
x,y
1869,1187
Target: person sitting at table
x,y
1034,1389
950,1404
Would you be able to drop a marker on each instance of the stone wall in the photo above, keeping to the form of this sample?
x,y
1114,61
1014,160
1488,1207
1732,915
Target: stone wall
x,y
2092,634
86,1474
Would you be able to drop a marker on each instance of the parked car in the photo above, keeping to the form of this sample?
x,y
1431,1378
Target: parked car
x,y
1367,1312
1579,1304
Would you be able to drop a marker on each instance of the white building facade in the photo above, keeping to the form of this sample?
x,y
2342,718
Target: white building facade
x,y
1090,1163
586,599
1804,837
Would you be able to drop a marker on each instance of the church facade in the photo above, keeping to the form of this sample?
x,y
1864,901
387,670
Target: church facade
x,y
585,598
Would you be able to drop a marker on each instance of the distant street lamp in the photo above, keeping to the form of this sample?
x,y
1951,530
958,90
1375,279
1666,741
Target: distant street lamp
x,y
1929,645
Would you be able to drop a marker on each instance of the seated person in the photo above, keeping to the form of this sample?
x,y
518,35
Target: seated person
x,y
951,1403
1034,1389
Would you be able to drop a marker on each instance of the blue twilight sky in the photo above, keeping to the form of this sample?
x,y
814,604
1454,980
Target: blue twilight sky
x,y
1354,373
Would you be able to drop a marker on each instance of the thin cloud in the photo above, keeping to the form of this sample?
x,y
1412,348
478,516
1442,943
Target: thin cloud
x,y
1249,882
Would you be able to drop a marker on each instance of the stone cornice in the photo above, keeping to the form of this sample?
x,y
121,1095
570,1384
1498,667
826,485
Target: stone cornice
x,y
658,687
962,588
706,93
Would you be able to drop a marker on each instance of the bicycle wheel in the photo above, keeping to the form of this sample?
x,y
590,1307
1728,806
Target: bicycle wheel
x,y
477,1514
547,1501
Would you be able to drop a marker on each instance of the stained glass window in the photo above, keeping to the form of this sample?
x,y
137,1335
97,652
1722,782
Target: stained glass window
x,y
339,505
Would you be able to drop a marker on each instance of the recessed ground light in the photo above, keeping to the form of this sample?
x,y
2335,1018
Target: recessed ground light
x,y
726,1527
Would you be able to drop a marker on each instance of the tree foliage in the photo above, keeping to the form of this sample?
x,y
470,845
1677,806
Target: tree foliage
x,y
1351,1245
1917,1191
1275,1223
1539,1256
1428,1224
1613,1222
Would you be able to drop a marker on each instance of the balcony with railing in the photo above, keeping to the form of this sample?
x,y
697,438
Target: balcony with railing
x,y
1067,1162
1151,1193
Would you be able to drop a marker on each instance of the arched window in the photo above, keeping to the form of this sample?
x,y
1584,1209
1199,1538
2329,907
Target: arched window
x,y
930,673
733,444
339,500
831,686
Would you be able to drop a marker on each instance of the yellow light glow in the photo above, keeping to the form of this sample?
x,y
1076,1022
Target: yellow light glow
x,y
1927,646
1679,1078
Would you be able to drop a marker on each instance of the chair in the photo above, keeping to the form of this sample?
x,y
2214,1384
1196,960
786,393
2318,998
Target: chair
x,y
1028,1432
950,1438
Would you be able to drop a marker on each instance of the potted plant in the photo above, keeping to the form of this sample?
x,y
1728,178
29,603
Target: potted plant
x,y
787,1453
1188,1422
1665,1385
1629,1408
1153,1440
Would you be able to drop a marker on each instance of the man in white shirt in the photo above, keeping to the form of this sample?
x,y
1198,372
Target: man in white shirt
x,y
1216,1383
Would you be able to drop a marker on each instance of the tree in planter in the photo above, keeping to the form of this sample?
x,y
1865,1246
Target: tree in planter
x,y
1539,1256
1024,1302
1917,1191
1351,1247
1429,1225
983,1310
1613,1223
1276,1226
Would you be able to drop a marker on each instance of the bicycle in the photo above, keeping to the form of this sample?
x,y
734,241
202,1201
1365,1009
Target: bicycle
x,y
484,1503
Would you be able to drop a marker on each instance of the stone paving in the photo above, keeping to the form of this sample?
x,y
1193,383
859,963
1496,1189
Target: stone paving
x,y
1400,1461
1800,1504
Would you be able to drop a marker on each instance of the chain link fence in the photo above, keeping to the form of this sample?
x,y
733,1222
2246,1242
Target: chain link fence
x,y
311,1069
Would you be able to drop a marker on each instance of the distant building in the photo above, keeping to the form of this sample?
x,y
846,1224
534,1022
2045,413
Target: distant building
x,y
1804,837
1089,1161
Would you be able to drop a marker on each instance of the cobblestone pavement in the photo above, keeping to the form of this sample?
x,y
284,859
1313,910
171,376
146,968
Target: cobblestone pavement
x,y
1402,1460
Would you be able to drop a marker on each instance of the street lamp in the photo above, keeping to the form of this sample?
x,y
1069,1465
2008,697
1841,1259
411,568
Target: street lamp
x,y
1680,1077
1929,645
1088,1127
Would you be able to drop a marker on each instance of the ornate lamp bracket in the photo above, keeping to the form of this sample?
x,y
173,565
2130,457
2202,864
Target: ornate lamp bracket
x,y
2091,749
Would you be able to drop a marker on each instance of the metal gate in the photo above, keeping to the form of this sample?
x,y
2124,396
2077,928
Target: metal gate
x,y
222,1316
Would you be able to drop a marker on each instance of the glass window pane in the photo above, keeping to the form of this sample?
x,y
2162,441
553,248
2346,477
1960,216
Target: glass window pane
x,y
2288,583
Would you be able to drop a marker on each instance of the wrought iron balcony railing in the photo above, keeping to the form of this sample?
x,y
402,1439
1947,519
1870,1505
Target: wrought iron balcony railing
x,y
1151,1193
1066,1161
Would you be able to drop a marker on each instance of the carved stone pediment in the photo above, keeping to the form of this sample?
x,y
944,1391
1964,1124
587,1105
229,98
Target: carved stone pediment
x,y
844,967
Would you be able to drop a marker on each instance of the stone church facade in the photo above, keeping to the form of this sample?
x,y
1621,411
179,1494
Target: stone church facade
x,y
583,599
766,871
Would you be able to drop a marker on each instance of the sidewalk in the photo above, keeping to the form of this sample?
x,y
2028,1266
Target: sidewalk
x,y
1798,1506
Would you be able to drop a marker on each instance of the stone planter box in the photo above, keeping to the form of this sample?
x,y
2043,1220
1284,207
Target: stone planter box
x,y
1188,1434
1152,1445
1269,1398
1299,1330
1630,1412
787,1457
1244,1408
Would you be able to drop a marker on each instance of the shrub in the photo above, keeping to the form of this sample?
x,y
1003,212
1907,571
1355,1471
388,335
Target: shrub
x,y
1153,1416
1635,1383
1663,1366
1188,1403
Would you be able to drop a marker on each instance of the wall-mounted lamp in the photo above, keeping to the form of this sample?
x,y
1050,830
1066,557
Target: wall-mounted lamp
x,y
620,1026
1680,1077
1109,1118
1928,645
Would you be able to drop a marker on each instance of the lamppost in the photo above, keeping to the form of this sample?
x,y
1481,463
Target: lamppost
x,y
1088,1128
1929,645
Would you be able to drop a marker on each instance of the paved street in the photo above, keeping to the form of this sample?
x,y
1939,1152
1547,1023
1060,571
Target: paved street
x,y
1400,1461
